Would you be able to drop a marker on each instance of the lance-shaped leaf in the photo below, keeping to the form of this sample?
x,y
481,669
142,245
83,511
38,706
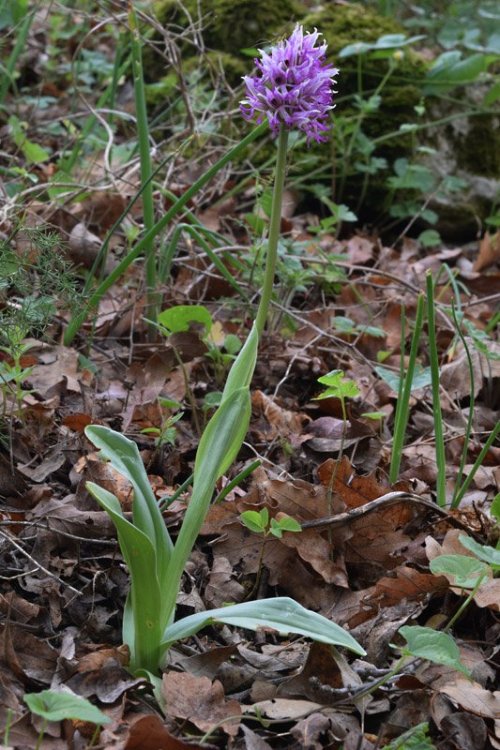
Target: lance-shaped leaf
x,y
222,438
281,614
124,456
144,606
241,372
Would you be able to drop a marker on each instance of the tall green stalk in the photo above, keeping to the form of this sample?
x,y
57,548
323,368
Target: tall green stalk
x,y
146,170
436,400
234,399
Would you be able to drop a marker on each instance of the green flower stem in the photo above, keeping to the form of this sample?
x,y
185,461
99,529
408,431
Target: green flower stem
x,y
274,231
146,169
234,392
76,323
403,406
436,402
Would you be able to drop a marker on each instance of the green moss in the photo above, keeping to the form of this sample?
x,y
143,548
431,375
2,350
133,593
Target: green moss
x,y
232,25
479,150
224,64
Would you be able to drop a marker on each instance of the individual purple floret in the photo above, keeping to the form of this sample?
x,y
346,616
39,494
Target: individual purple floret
x,y
293,86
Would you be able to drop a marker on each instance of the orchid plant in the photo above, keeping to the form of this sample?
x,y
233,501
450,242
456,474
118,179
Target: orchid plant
x,y
292,88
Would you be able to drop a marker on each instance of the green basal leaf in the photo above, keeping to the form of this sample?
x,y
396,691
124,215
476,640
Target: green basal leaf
x,y
415,738
146,612
281,614
484,552
55,706
124,456
463,569
433,645
179,318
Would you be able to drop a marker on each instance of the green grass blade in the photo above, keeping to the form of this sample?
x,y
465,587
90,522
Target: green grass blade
x,y
7,77
477,464
282,614
76,322
146,167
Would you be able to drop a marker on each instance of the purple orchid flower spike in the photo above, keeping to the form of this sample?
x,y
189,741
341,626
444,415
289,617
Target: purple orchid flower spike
x,y
293,86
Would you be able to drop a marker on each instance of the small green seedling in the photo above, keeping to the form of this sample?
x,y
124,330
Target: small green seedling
x,y
167,432
221,348
337,386
258,521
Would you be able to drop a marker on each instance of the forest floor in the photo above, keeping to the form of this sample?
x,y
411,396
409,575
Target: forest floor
x,y
363,564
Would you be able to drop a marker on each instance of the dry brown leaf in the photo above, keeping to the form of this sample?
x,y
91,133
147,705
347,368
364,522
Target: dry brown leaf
x,y
489,251
472,697
284,423
56,364
148,732
201,701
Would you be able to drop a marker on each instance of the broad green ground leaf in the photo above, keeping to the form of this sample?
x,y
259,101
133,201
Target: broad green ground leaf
x,y
432,645
484,552
281,614
416,738
464,570
421,377
55,706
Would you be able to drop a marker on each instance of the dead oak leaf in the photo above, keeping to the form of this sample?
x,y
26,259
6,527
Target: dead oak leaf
x,y
407,583
201,701
148,732
470,696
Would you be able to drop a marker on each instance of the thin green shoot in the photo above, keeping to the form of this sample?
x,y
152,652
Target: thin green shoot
x,y
436,401
403,405
240,477
468,427
167,500
476,466
197,234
